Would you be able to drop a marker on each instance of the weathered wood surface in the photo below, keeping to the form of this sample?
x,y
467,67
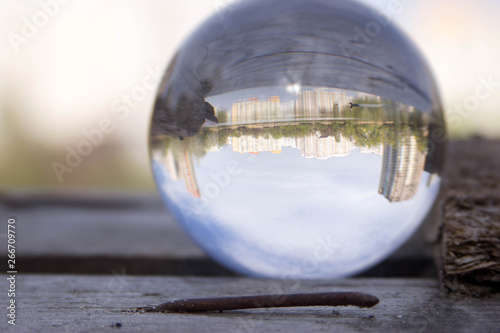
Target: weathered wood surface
x,y
469,249
75,303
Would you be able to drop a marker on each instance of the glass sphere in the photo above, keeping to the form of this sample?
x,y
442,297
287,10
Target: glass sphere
x,y
298,139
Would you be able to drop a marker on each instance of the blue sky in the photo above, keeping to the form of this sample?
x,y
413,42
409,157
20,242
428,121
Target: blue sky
x,y
273,217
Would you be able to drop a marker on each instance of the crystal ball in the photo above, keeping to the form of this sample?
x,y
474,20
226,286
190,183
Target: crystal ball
x,y
298,139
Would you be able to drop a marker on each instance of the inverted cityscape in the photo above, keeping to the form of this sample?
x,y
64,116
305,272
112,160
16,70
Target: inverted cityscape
x,y
320,123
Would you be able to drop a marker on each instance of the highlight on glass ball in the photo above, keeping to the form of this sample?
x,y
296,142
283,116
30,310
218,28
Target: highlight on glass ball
x,y
293,138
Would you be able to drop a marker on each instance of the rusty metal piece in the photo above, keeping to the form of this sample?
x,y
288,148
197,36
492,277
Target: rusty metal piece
x,y
266,301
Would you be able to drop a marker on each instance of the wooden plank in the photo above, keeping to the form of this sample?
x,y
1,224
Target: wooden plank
x,y
69,303
469,251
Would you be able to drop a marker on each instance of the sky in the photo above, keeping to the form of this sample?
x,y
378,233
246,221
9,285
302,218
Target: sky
x,y
275,215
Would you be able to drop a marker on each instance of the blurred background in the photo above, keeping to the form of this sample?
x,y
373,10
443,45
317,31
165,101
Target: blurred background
x,y
87,71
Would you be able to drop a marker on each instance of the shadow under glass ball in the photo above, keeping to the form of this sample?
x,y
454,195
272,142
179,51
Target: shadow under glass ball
x,y
296,139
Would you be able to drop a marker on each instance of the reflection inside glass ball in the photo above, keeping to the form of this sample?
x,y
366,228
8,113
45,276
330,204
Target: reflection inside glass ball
x,y
287,150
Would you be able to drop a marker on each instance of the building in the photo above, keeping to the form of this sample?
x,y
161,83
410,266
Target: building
x,y
186,171
402,168
255,144
310,104
321,103
255,110
179,165
311,146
